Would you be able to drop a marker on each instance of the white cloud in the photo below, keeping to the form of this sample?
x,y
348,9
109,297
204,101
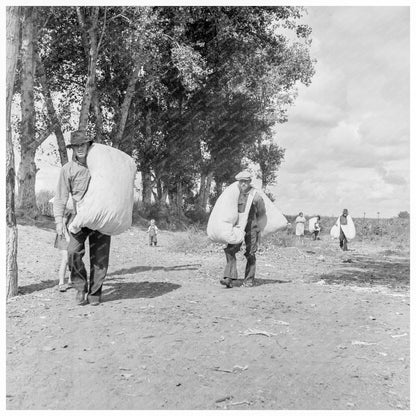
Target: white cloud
x,y
348,133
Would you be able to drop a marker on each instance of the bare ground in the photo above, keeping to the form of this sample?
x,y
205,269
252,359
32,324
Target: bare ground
x,y
322,329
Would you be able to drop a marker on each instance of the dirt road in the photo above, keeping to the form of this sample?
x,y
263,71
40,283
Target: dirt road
x,y
322,329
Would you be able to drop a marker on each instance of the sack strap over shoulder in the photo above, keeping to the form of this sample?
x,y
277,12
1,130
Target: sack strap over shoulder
x,y
243,216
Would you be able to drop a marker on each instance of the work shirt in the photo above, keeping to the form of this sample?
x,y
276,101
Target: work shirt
x,y
257,208
343,220
74,179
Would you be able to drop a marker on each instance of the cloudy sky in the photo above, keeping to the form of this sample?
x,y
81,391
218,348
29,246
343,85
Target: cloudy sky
x,y
347,138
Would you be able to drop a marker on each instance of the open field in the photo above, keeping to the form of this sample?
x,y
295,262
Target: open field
x,y
322,329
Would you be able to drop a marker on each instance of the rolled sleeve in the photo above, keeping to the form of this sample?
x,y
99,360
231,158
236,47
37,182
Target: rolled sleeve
x,y
61,196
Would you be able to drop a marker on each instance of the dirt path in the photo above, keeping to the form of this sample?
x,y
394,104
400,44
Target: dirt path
x,y
169,336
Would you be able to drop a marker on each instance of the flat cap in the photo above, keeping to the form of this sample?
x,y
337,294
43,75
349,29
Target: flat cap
x,y
245,175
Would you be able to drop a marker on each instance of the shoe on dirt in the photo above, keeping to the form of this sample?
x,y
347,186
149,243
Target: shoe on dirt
x,y
93,300
62,288
80,298
226,281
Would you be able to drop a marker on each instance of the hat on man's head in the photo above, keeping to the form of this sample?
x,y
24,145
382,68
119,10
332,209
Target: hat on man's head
x,y
245,175
78,137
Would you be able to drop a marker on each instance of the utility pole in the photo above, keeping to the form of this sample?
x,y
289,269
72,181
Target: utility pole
x,y
364,226
378,223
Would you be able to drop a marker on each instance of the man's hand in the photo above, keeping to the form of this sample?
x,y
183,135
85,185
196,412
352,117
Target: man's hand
x,y
59,228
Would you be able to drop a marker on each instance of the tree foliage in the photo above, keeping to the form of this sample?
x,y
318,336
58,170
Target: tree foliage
x,y
192,93
404,214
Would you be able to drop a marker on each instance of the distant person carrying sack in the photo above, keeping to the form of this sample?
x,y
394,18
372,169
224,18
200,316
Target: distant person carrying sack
x,y
344,229
315,227
74,179
250,207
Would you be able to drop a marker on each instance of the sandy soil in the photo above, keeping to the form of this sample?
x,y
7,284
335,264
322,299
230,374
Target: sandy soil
x,y
322,329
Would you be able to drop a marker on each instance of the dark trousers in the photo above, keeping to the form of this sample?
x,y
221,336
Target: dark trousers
x,y
342,240
153,240
315,235
251,241
99,257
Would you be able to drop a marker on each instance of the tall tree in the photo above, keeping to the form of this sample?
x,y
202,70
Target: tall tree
x,y
26,198
54,122
12,51
268,156
88,20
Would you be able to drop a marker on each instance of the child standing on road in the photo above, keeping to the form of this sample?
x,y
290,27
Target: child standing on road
x,y
61,243
152,231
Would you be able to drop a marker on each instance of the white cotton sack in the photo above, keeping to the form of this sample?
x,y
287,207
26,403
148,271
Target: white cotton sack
x,y
225,225
223,219
273,220
348,229
311,224
107,206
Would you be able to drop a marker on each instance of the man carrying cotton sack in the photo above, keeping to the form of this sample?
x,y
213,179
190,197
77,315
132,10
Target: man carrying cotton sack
x,y
250,208
344,229
100,180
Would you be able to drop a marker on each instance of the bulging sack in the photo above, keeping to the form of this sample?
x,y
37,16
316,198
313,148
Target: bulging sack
x,y
107,206
226,226
348,229
311,224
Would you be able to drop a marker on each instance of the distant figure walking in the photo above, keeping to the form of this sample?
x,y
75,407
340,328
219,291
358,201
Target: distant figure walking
x,y
344,229
152,231
300,225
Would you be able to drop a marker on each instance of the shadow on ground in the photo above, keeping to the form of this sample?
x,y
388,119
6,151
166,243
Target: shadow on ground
x,y
135,290
35,287
363,271
140,269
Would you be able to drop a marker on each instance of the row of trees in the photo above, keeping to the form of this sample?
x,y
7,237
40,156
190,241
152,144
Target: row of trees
x,y
192,93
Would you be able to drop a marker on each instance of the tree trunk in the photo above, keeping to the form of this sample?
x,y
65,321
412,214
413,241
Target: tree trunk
x,y
124,110
206,191
179,200
145,168
176,199
146,186
98,117
202,190
53,118
12,50
92,65
165,195
159,189
26,198
263,184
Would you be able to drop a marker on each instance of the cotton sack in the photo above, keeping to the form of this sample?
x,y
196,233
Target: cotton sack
x,y
348,229
226,225
311,224
107,206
